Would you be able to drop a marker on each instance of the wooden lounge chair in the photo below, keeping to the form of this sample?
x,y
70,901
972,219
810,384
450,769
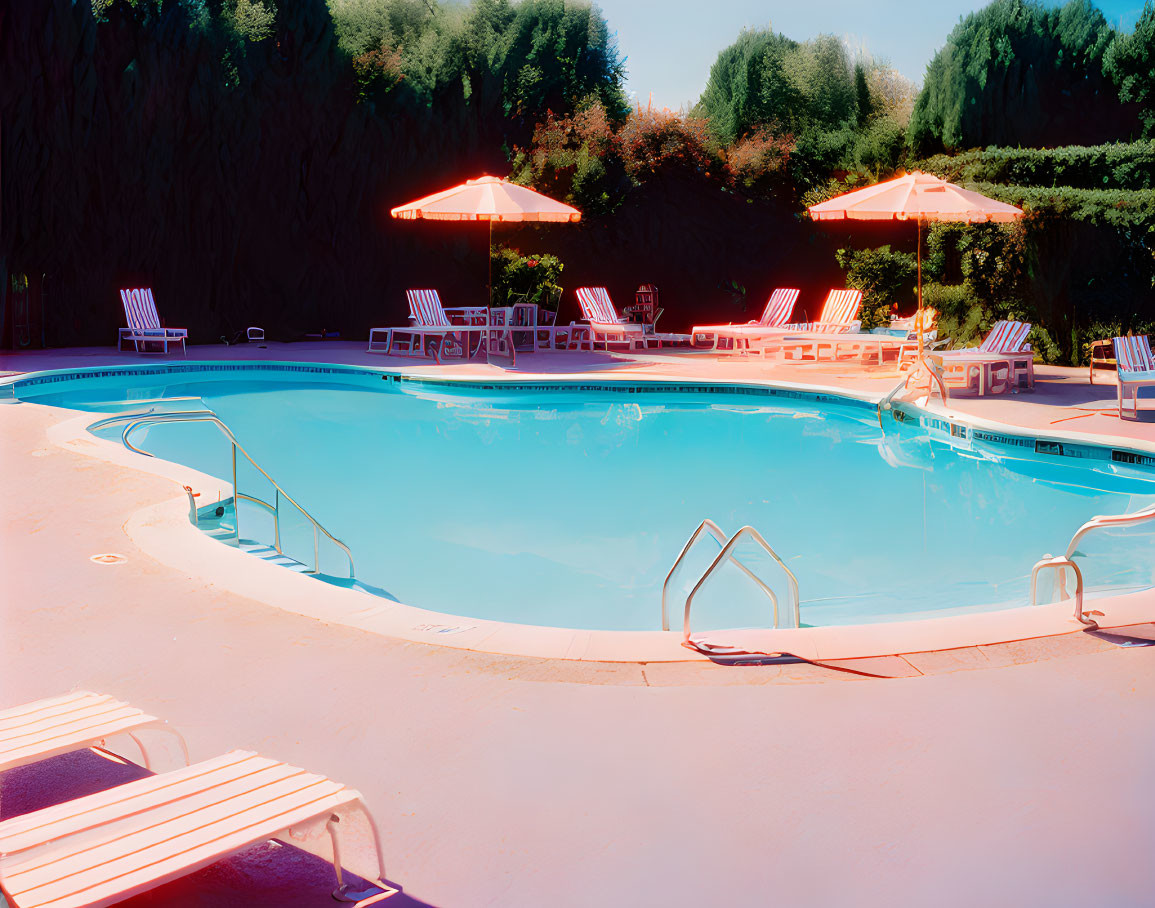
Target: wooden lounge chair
x,y
47,728
1004,355
431,329
778,310
144,329
606,327
1135,369
103,848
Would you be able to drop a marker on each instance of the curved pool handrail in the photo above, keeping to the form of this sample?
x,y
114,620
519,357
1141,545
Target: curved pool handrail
x,y
708,526
1109,520
210,417
725,555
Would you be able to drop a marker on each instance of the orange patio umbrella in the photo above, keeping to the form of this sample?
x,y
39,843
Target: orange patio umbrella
x,y
488,199
919,197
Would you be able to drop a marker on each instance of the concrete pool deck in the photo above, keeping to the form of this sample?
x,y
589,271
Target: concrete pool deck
x,y
517,781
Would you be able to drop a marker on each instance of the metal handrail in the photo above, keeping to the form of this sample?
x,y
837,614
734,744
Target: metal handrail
x,y
210,417
708,526
726,555
1110,520
1066,560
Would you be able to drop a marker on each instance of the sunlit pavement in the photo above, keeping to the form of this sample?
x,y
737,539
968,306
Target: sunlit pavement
x,y
994,775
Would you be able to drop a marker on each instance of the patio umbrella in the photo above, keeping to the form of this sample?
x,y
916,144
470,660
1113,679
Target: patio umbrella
x,y
919,197
488,199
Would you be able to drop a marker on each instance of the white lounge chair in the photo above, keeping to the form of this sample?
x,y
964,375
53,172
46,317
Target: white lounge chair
x,y
836,329
144,327
430,321
105,847
1136,369
58,725
1004,348
778,310
606,327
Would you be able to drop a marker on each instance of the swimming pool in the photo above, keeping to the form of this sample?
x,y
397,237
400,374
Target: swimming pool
x,y
565,505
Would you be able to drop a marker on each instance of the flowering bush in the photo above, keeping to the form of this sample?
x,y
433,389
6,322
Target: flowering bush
x,y
521,278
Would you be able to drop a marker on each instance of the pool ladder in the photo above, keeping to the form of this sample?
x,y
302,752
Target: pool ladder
x,y
136,420
729,543
1065,562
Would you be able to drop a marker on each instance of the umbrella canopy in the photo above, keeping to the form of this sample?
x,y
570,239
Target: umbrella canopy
x,y
916,196
487,199
919,197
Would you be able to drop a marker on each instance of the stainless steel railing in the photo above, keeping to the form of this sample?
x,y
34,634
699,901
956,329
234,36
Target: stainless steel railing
x,y
727,554
1063,563
137,420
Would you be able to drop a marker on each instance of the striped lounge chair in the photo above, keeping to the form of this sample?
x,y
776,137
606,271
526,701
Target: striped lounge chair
x,y
835,331
1004,348
105,847
431,329
1136,369
144,330
778,310
606,327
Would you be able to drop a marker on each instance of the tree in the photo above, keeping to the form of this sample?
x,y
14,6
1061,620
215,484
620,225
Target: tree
x,y
1130,63
1020,73
747,85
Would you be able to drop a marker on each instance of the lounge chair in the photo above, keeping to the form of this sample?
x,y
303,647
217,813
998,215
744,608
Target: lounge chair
x,y
607,327
431,328
778,310
47,728
836,329
1136,369
1004,354
105,847
144,327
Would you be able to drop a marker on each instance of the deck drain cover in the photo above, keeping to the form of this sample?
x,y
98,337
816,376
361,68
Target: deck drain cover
x,y
108,558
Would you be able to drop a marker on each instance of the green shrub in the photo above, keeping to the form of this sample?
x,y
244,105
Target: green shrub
x,y
1118,165
521,278
884,277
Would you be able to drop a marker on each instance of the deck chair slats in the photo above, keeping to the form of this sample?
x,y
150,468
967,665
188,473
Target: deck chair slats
x,y
113,880
426,309
134,797
841,307
46,728
596,306
209,813
1133,354
779,307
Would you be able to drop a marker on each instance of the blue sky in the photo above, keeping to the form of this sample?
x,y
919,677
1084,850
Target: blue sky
x,y
671,44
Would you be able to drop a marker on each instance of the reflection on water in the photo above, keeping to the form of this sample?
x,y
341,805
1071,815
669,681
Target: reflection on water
x,y
569,508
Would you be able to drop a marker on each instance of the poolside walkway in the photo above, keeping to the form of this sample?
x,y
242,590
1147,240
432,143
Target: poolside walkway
x,y
993,775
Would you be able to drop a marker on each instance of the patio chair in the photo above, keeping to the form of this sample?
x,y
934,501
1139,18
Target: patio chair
x,y
778,310
836,329
144,327
58,725
105,847
1005,348
431,328
1135,369
607,327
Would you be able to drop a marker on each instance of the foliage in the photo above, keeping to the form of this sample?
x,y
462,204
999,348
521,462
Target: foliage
x,y
253,21
1020,73
1134,208
1130,61
885,278
759,162
592,163
747,86
521,278
1116,165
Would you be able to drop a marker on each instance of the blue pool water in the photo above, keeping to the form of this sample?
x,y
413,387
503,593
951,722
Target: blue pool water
x,y
568,508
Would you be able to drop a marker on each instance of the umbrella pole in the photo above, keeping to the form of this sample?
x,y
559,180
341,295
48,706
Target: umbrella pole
x,y
919,326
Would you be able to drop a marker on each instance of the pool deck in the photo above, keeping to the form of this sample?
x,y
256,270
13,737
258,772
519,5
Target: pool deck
x,y
1004,773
